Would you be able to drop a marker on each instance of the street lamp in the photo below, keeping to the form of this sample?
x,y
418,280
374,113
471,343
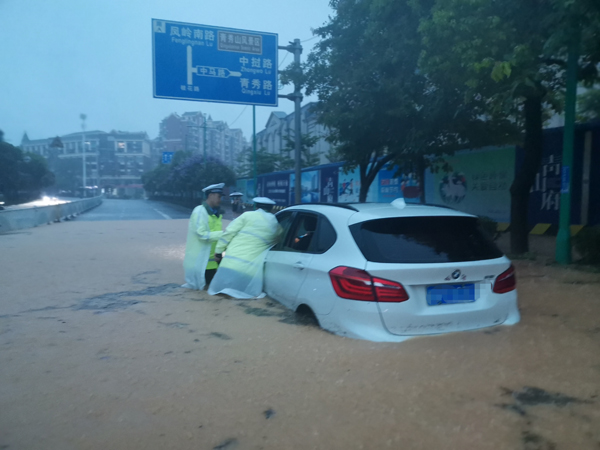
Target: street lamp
x,y
83,117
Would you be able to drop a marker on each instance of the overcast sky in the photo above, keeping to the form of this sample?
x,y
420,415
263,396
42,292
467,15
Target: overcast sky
x,y
60,58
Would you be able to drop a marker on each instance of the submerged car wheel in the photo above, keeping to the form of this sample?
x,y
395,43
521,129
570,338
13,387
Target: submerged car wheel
x,y
306,316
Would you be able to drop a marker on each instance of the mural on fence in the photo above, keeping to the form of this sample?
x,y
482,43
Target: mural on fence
x,y
329,183
348,185
310,187
276,186
478,183
391,187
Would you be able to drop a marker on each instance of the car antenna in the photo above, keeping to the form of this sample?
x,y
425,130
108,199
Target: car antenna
x,y
399,203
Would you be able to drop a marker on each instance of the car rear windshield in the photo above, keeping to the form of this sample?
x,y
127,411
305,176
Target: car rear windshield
x,y
434,239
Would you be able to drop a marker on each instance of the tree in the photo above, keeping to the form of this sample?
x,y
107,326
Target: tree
x,y
68,173
34,174
22,176
11,158
265,162
187,174
287,159
378,104
510,56
589,105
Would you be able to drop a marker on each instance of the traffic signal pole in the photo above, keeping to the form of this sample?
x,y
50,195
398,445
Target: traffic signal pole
x,y
296,97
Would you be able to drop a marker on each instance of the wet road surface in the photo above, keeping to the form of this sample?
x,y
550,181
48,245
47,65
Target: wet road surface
x,y
101,349
113,209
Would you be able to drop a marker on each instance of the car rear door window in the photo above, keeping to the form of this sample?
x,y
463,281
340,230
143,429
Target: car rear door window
x,y
433,239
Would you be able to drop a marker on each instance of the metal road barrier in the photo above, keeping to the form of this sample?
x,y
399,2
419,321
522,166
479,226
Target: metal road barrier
x,y
17,219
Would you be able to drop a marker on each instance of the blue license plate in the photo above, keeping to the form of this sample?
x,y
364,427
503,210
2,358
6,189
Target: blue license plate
x,y
444,294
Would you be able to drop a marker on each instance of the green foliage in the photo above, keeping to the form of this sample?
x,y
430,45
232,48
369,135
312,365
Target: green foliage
x,y
68,173
489,227
508,60
376,100
287,158
589,105
265,162
22,176
587,243
187,173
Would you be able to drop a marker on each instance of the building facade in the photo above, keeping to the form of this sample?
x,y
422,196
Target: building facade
x,y
115,161
196,133
280,127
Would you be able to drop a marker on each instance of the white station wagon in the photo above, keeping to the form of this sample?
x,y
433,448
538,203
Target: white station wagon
x,y
388,272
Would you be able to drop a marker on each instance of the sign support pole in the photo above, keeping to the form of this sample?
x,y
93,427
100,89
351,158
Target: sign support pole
x,y
563,238
254,148
204,138
296,97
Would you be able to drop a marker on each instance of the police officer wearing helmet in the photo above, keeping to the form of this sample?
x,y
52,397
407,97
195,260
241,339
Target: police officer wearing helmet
x,y
245,244
205,228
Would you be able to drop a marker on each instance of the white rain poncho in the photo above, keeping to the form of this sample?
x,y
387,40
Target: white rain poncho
x,y
204,231
246,243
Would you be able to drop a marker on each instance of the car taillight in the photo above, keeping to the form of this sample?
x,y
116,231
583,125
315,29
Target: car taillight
x,y
356,284
506,281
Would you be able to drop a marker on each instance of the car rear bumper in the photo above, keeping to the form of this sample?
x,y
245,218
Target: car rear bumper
x,y
362,320
357,320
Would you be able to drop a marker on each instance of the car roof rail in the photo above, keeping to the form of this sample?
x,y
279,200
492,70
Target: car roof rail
x,y
337,205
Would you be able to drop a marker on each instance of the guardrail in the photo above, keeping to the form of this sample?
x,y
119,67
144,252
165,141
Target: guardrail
x,y
18,219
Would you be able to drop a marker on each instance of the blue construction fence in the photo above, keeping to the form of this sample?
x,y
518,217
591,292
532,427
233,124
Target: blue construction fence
x,y
478,182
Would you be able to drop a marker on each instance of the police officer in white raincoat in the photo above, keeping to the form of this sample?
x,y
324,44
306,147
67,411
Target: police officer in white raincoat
x,y
245,243
205,228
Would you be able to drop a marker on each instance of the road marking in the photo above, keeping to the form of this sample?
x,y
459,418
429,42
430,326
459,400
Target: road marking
x,y
162,214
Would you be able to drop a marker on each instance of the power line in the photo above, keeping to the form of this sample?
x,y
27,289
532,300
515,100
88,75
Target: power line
x,y
309,39
236,119
283,60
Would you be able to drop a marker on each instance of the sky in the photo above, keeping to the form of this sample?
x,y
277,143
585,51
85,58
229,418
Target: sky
x,y
62,58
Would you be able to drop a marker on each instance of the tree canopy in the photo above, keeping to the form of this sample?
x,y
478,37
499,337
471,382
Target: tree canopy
x,y
373,96
22,175
187,173
398,80
511,56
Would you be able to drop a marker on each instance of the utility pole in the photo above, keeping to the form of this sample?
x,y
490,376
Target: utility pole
x,y
563,238
296,97
83,117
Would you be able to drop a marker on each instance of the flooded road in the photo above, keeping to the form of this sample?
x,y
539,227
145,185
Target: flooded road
x,y
101,349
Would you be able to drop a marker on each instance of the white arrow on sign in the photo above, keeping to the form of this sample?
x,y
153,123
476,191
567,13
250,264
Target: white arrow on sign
x,y
206,71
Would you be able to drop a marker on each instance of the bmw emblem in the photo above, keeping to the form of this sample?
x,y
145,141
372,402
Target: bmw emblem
x,y
456,274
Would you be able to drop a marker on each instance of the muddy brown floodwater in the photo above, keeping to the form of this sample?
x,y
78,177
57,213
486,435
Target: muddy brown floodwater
x,y
101,349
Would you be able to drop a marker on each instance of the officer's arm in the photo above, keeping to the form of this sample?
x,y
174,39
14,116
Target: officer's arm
x,y
203,231
232,229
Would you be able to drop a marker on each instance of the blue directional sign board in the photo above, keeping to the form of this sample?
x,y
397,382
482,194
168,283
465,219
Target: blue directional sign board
x,y
214,64
167,157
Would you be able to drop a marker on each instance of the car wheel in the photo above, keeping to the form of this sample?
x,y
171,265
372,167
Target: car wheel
x,y
306,316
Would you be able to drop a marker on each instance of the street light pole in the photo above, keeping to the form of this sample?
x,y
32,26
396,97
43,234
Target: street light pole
x,y
83,117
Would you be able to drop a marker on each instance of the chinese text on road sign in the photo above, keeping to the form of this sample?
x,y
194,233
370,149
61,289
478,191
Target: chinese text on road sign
x,y
206,63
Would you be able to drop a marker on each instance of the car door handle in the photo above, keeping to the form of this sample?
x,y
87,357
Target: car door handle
x,y
299,266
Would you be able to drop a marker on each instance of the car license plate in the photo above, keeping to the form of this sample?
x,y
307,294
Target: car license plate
x,y
444,294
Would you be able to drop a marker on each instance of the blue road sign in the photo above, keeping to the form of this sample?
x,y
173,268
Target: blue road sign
x,y
167,157
213,64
